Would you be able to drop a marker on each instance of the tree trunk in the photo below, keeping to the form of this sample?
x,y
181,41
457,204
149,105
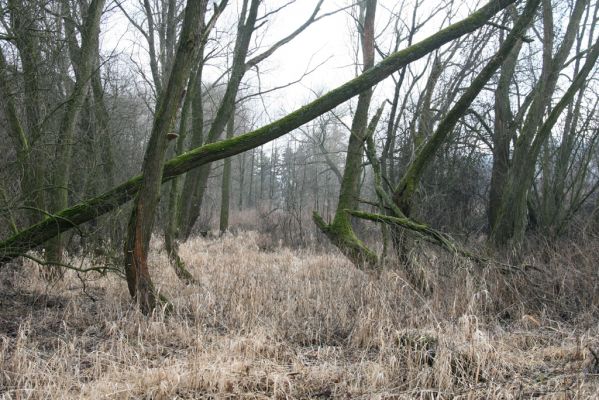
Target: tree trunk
x,y
189,186
503,133
340,231
411,179
197,181
170,230
511,224
64,152
226,184
511,215
25,28
142,217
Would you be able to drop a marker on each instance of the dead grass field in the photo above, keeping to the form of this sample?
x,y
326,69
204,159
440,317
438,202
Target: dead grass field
x,y
298,324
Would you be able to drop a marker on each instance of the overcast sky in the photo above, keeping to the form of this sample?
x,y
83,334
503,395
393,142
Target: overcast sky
x,y
330,42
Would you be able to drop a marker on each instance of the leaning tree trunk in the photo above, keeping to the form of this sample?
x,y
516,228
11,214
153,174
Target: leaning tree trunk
x,y
142,217
66,219
423,126
411,179
340,231
64,153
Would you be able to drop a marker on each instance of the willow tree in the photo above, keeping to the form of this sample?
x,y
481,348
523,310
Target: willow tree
x,y
400,202
510,216
340,231
195,184
408,184
566,167
503,131
141,222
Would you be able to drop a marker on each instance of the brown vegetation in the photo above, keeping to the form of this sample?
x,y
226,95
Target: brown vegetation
x,y
306,324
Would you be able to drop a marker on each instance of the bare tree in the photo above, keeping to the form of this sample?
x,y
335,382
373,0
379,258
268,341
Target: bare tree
x,y
510,219
142,217
340,231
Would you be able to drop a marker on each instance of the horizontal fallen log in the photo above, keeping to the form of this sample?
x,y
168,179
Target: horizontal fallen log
x,y
441,239
66,219
423,230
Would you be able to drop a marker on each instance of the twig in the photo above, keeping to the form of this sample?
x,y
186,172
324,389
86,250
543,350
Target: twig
x,y
101,270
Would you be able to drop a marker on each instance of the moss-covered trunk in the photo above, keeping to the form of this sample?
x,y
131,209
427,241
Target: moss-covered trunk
x,y
225,193
511,215
340,231
25,28
411,179
503,133
83,65
511,220
141,222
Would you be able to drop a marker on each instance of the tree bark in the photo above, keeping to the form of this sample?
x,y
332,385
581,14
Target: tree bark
x,y
25,27
226,183
503,133
196,181
64,152
510,223
340,231
411,179
170,230
142,217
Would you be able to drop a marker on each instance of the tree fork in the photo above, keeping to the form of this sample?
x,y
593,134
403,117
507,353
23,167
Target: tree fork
x,y
410,181
340,232
66,219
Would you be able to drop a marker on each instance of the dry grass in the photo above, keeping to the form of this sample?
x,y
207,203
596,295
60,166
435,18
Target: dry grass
x,y
293,324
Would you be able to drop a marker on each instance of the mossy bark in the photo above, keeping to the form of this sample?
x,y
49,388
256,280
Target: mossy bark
x,y
340,231
503,133
511,216
141,222
15,128
25,28
83,64
66,219
426,232
511,219
411,179
225,194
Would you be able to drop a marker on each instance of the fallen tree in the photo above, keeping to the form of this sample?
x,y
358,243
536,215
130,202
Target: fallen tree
x,y
85,211
340,231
